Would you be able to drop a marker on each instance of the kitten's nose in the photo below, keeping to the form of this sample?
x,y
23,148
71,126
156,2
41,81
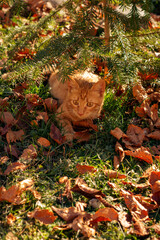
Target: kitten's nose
x,y
80,114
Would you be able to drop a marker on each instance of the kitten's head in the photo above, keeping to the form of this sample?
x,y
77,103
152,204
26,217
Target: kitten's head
x,y
85,98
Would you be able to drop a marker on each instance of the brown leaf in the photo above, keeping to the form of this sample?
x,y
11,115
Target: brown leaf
x,y
3,159
125,219
117,133
116,162
11,236
14,166
55,134
157,124
42,215
29,153
85,168
137,210
139,228
11,219
7,118
86,124
12,149
119,149
141,153
139,93
67,214
105,203
134,136
51,104
156,228
154,180
113,174
154,112
13,194
13,136
105,214
43,142
154,135
63,179
82,188
67,192
42,116
82,136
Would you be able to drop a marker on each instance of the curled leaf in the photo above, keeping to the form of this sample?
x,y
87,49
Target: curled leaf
x,y
43,142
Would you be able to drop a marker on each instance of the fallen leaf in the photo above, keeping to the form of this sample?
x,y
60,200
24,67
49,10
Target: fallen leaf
x,y
105,214
13,136
139,228
55,134
12,149
42,116
134,136
154,112
125,219
85,168
137,210
14,166
7,118
113,174
105,203
11,219
154,135
13,194
154,180
86,124
3,159
10,236
42,215
116,162
141,153
119,149
51,104
29,153
139,93
157,124
156,228
43,142
82,188
67,192
117,133
82,136
63,179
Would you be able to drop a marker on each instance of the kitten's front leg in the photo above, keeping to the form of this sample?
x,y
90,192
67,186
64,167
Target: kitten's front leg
x,y
67,128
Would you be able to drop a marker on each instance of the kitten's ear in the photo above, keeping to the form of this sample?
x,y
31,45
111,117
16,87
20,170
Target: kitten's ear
x,y
72,84
99,87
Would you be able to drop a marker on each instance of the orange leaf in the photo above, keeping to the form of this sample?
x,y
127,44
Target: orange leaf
x,y
85,168
82,188
83,136
114,174
119,149
13,136
139,93
11,219
14,166
141,153
155,135
42,215
3,159
105,214
67,214
43,142
117,133
42,116
86,124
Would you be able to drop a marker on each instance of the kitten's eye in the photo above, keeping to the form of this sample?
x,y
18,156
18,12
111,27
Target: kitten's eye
x,y
75,102
89,104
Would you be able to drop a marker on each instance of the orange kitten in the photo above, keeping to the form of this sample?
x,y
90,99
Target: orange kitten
x,y
80,98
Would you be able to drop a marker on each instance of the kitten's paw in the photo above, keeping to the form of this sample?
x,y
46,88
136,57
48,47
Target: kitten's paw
x,y
69,137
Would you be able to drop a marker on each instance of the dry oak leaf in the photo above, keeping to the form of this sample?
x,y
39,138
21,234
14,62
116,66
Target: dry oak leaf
x,y
7,118
134,136
154,135
13,194
105,214
82,188
11,219
139,92
11,236
51,104
14,166
119,149
42,215
137,210
85,168
67,214
113,174
141,153
117,133
43,142
55,134
29,153
42,116
13,136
